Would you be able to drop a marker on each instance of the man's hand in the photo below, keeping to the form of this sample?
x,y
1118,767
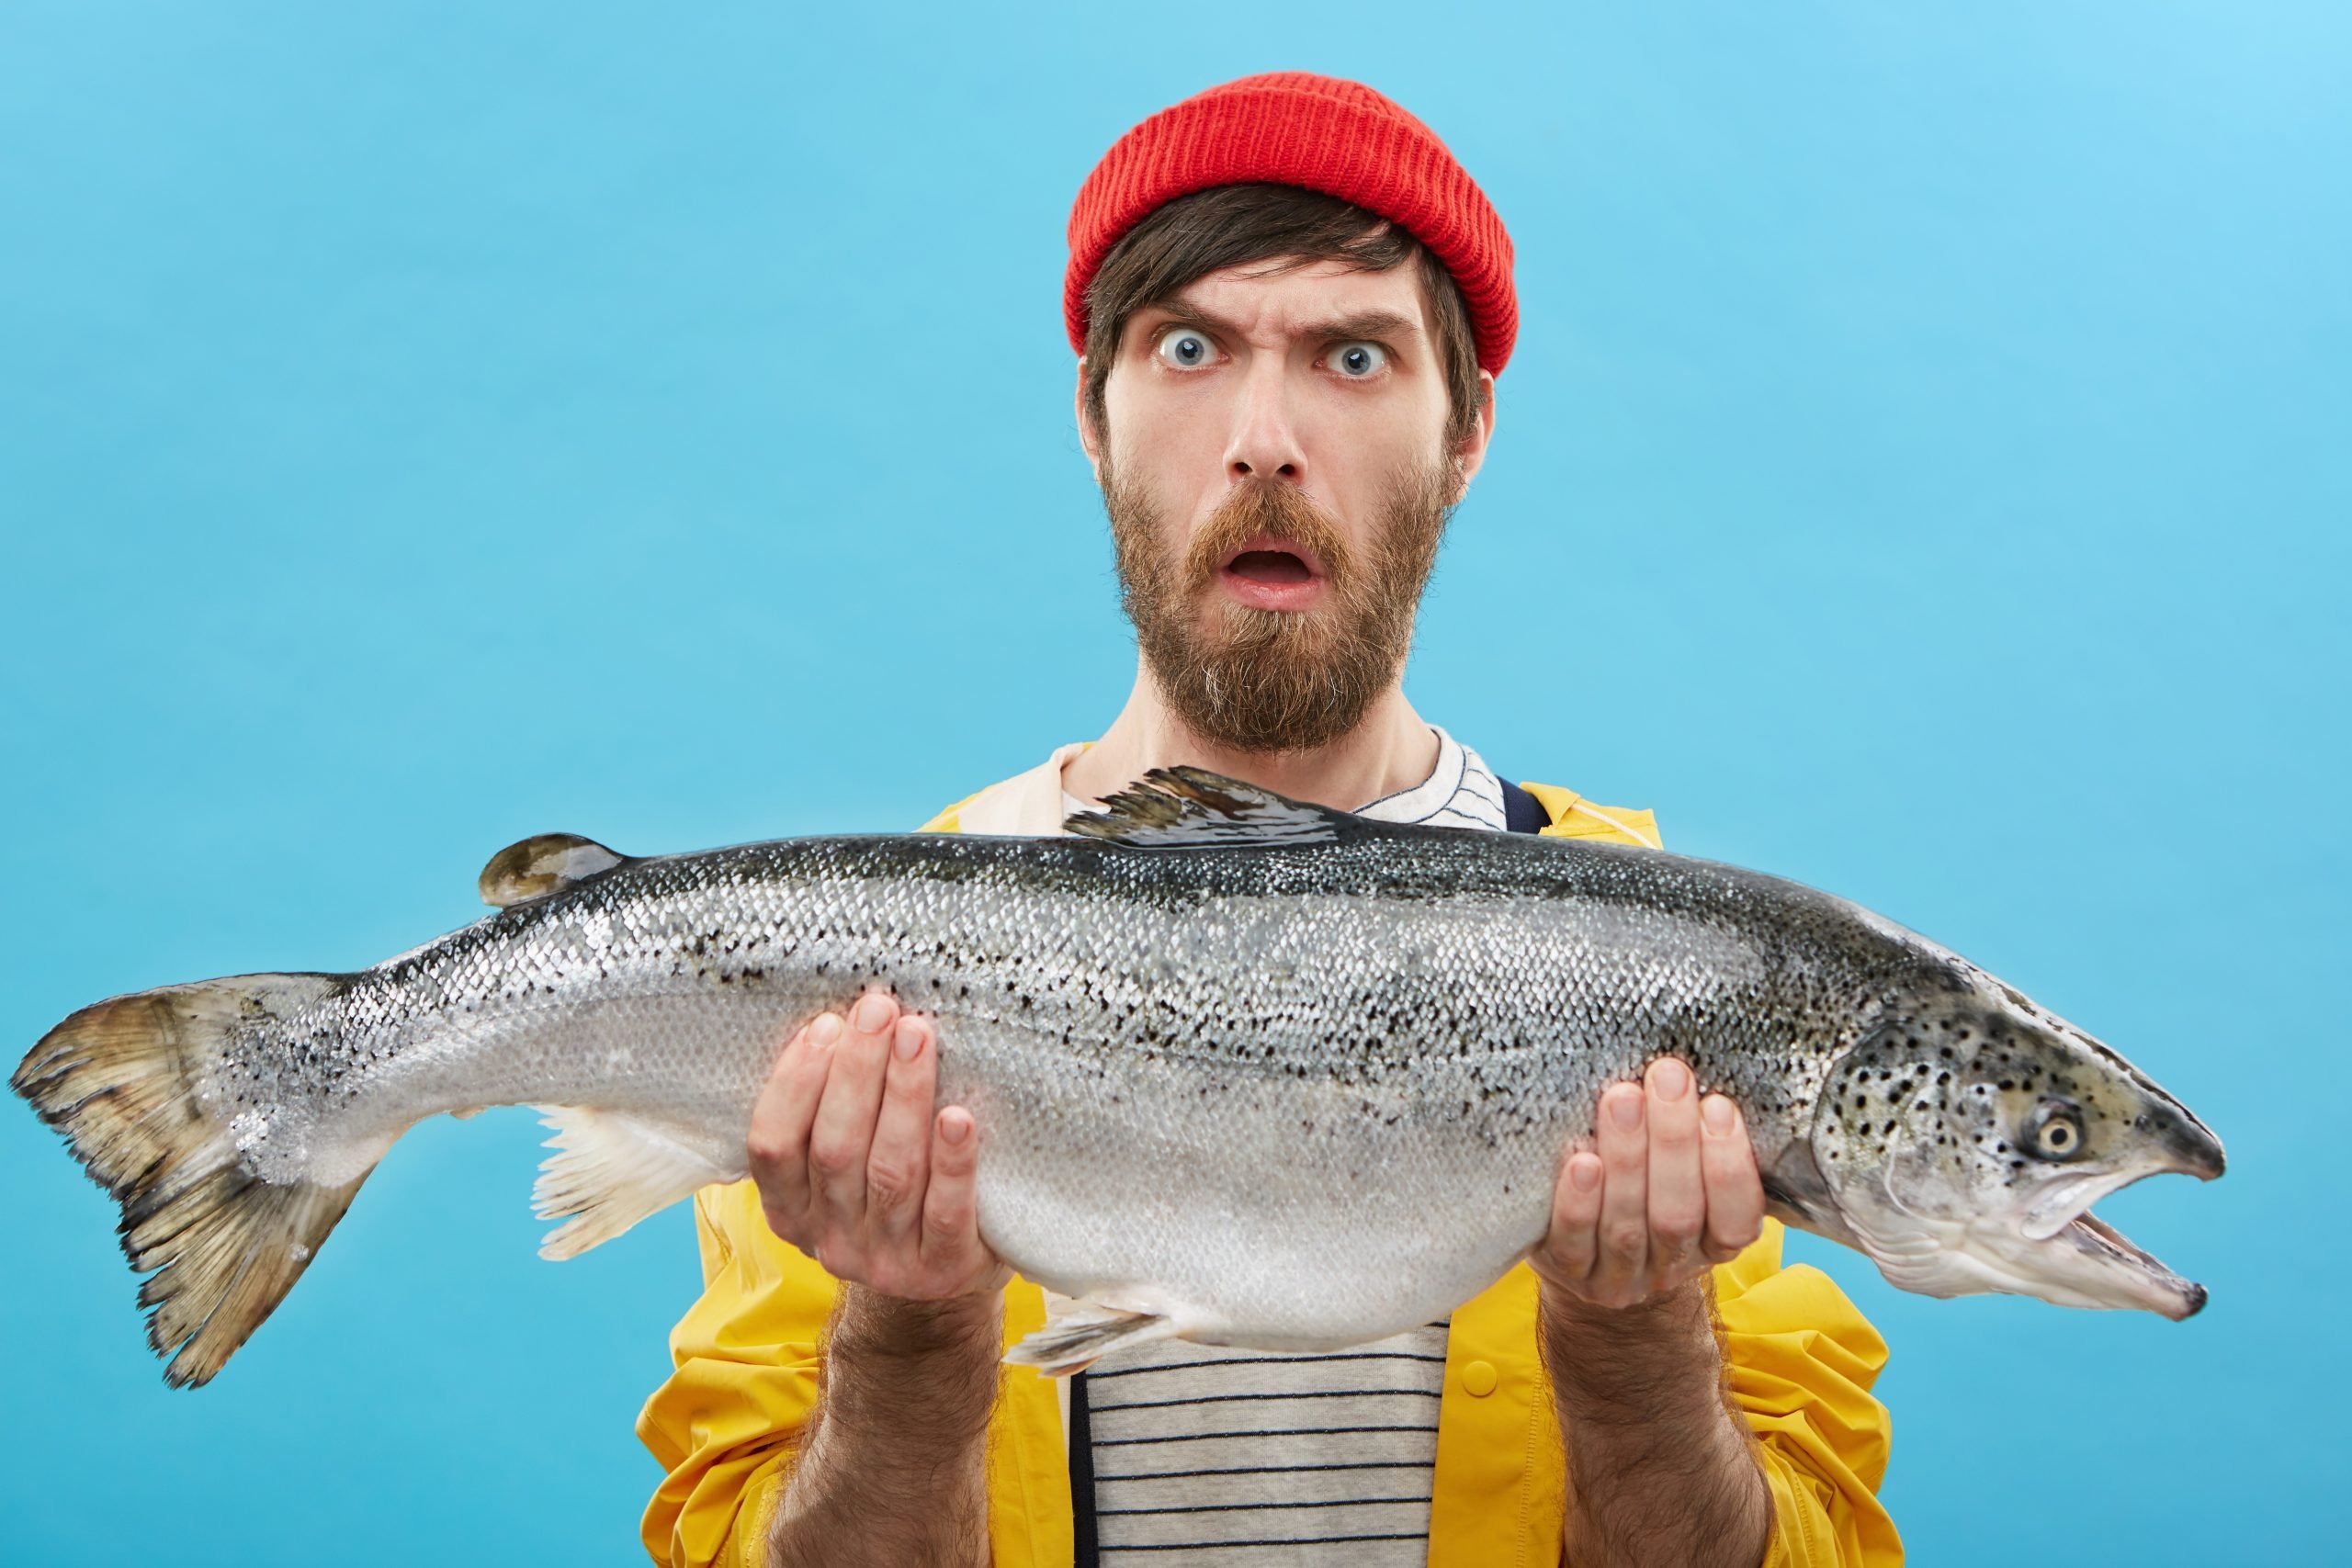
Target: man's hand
x,y
855,1168
1671,1190
1660,1468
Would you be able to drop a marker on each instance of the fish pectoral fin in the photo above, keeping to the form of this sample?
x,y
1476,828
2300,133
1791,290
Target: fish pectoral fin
x,y
538,867
1192,808
1076,1341
610,1172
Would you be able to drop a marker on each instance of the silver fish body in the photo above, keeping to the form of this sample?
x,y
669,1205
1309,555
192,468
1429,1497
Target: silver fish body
x,y
1247,1071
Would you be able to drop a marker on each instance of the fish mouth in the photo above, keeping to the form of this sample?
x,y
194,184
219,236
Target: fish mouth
x,y
2112,1252
2054,1250
2075,1259
2084,1253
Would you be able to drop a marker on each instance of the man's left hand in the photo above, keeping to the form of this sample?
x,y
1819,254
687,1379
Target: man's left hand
x,y
1667,1189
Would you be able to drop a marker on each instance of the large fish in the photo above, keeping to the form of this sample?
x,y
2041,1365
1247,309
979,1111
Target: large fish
x,y
1246,1070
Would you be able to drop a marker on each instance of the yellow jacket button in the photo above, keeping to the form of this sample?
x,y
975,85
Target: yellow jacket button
x,y
1479,1378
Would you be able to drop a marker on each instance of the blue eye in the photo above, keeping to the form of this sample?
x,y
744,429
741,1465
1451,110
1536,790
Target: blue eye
x,y
1185,349
1358,360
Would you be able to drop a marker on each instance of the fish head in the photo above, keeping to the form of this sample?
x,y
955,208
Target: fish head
x,y
1963,1141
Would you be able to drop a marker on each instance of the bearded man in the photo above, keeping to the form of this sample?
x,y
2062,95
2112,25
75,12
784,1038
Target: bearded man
x,y
1290,304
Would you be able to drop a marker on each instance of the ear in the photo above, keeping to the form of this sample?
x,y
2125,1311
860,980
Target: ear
x,y
1472,452
1086,427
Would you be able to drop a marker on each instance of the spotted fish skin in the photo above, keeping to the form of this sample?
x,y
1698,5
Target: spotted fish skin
x,y
1246,1070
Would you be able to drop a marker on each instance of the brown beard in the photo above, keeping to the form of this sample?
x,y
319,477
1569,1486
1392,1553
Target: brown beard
x,y
1266,680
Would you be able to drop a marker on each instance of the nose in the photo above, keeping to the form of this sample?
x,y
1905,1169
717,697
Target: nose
x,y
1265,442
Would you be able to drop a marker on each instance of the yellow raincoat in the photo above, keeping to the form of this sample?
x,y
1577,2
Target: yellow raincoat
x,y
1802,1359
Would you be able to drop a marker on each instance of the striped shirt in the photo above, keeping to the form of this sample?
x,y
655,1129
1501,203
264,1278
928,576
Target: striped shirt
x,y
1461,792
1241,1457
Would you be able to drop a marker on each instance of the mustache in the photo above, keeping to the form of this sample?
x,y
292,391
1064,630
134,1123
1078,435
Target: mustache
x,y
1261,508
1266,680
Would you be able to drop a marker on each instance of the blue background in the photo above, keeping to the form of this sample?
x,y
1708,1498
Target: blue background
x,y
1924,472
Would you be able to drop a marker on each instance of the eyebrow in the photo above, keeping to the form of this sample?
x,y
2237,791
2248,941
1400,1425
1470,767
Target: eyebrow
x,y
1336,329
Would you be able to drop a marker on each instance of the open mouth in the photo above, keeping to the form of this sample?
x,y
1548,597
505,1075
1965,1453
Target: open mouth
x,y
2162,1290
2094,1236
2087,1254
1272,575
2056,1251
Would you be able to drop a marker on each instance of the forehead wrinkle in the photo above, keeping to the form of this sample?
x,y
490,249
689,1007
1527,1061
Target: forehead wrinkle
x,y
1184,311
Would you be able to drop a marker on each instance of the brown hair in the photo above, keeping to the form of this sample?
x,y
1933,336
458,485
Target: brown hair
x,y
1183,242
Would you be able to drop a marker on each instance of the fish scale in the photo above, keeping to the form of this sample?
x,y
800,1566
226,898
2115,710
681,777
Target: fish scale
x,y
1245,1070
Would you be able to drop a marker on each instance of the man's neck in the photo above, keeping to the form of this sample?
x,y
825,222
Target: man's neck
x,y
1391,749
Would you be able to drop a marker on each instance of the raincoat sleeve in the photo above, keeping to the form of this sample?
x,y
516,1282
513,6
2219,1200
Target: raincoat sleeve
x,y
726,1422
1801,1359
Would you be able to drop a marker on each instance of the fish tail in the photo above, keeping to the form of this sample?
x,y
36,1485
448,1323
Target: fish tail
x,y
221,1247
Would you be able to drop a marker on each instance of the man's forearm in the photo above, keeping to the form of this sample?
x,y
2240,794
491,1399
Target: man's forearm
x,y
1660,1470
894,1469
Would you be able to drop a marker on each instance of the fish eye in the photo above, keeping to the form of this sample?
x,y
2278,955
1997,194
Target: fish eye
x,y
1184,348
1359,361
2055,1131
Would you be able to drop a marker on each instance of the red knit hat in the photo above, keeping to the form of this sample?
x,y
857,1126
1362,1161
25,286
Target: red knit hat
x,y
1293,128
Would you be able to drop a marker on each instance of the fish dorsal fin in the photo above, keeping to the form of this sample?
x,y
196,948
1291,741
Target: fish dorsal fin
x,y
536,867
1192,808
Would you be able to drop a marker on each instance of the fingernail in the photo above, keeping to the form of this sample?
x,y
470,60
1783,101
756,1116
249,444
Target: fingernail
x,y
824,1032
873,1013
1628,1110
1716,1112
1584,1173
955,1129
908,1045
1672,1080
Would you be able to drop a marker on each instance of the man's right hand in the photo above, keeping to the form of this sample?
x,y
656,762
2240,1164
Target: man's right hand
x,y
856,1169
